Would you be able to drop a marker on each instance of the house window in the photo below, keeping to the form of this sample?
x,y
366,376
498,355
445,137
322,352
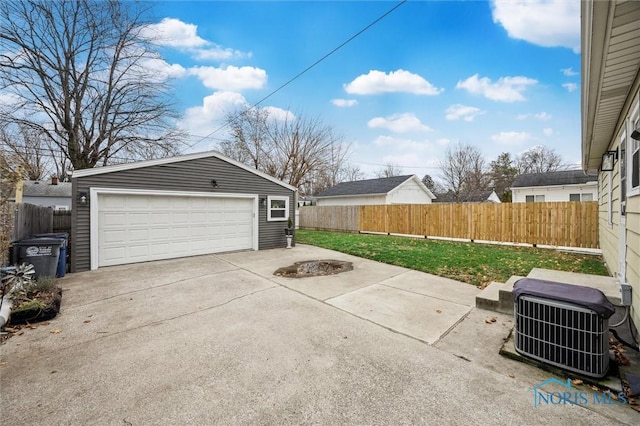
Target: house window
x,y
277,208
534,198
580,197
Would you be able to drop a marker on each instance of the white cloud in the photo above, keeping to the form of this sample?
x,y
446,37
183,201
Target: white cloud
x,y
279,114
506,89
9,98
547,23
344,103
162,70
396,81
210,117
547,132
399,123
542,116
571,87
569,72
203,120
466,113
174,33
512,138
171,32
230,78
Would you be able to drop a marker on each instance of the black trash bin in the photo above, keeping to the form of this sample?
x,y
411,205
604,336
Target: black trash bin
x,y
42,253
62,259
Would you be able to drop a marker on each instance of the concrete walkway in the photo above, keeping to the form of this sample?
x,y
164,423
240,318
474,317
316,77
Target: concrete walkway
x,y
219,340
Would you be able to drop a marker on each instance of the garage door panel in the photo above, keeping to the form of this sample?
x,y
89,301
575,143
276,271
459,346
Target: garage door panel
x,y
136,228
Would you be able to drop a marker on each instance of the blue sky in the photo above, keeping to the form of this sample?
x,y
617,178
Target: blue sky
x,y
502,76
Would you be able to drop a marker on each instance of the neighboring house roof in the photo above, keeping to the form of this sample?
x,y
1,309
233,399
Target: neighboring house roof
x,y
378,186
563,177
611,64
472,197
177,159
39,188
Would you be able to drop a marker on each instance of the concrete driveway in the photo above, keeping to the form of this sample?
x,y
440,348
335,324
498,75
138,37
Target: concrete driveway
x,y
219,340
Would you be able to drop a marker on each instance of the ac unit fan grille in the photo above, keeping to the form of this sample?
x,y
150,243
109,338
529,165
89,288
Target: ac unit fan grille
x,y
561,334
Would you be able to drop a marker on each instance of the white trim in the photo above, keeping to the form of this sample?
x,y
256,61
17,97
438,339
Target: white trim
x,y
176,159
610,199
286,208
633,117
94,210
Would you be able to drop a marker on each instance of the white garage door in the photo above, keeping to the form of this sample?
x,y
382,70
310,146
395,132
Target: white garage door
x,y
137,228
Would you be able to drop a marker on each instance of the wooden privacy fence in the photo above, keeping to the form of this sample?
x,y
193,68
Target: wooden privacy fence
x,y
570,224
62,221
30,219
330,218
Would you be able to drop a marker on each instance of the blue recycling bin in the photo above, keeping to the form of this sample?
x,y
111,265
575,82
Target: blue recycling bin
x,y
62,260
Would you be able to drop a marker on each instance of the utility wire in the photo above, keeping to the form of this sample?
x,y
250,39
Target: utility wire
x,y
301,73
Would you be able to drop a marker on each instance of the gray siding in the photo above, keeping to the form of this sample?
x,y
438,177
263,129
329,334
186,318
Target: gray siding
x,y
190,175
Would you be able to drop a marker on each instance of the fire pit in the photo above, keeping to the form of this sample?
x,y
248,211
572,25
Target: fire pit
x,y
314,268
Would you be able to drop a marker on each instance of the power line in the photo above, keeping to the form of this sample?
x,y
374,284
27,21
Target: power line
x,y
301,73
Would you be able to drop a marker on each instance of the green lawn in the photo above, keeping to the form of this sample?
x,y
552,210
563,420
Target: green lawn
x,y
473,263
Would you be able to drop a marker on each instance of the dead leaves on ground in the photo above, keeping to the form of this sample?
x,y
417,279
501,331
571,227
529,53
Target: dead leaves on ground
x,y
491,320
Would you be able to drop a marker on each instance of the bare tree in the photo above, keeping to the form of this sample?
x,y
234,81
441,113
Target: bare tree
x,y
299,150
249,141
539,159
390,170
464,170
26,150
81,73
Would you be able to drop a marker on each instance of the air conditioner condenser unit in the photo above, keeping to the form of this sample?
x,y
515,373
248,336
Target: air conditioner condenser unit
x,y
563,325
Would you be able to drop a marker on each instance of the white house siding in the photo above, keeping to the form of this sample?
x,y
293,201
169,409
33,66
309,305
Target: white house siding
x,y
555,193
610,230
360,200
609,218
408,193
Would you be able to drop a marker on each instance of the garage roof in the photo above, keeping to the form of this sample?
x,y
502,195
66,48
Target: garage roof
x,y
176,159
365,187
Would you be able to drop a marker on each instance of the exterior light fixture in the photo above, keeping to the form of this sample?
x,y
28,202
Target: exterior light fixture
x,y
214,183
608,160
263,201
83,198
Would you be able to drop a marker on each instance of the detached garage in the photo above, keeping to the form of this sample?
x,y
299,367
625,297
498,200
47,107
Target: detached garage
x,y
175,207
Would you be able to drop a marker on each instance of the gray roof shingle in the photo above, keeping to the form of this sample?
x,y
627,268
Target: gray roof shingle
x,y
40,188
365,187
563,177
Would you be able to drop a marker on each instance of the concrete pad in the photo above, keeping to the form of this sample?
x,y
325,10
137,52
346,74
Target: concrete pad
x,y
435,286
421,317
153,305
256,354
106,282
365,272
273,358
